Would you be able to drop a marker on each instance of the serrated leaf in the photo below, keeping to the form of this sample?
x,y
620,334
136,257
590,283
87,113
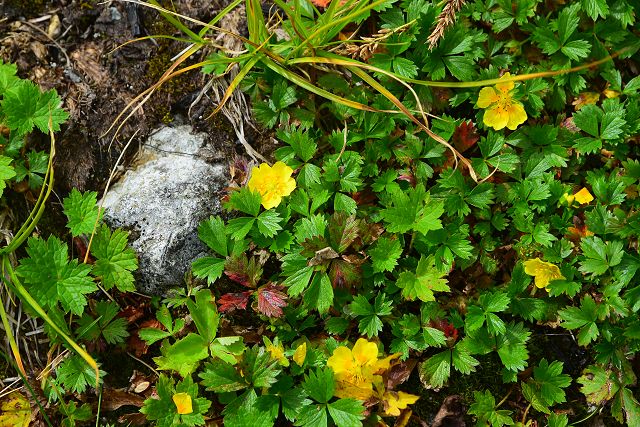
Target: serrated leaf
x,y
209,268
346,412
212,233
81,211
115,262
427,280
6,172
50,277
384,254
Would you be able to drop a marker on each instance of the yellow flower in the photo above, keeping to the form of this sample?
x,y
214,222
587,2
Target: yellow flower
x,y
357,370
300,354
183,403
502,110
273,183
393,402
583,196
542,271
277,351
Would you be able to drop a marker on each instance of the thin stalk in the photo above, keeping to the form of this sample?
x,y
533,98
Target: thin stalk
x,y
12,342
26,297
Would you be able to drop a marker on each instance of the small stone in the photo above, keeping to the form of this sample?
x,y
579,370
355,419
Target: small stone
x,y
162,201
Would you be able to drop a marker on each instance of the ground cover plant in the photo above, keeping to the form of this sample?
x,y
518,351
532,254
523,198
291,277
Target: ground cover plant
x,y
454,197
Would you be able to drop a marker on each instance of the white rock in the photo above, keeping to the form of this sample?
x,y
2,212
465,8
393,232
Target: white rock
x,y
162,201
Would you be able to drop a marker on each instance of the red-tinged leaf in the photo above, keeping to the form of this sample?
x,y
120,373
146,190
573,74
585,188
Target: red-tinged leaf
x,y
365,198
408,177
243,271
465,136
234,301
343,230
345,273
311,246
271,299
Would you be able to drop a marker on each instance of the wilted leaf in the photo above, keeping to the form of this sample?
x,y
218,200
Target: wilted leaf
x,y
234,301
271,299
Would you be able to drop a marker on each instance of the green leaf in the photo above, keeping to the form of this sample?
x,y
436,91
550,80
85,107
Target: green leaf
x,y
545,389
209,268
435,371
212,233
595,8
412,210
81,211
346,412
76,375
319,295
245,201
426,280
6,172
558,420
222,377
204,313
25,107
269,223
484,408
587,119
576,49
250,410
319,385
184,355
112,329
600,256
512,347
584,318
115,262
50,277
384,254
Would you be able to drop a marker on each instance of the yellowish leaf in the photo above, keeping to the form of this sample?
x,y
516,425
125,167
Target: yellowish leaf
x,y
300,354
15,411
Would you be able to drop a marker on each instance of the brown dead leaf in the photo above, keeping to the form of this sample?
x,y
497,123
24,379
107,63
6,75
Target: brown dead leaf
x,y
113,399
399,373
451,413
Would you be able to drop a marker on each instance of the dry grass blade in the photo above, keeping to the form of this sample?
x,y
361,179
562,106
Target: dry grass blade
x,y
446,19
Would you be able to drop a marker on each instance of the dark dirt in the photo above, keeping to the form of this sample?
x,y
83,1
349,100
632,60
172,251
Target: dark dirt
x,y
78,57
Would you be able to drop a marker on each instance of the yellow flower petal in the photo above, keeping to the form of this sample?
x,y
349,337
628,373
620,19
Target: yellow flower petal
x,y
365,352
496,117
396,401
183,403
505,87
277,353
542,271
341,360
300,354
273,183
487,96
517,115
583,196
